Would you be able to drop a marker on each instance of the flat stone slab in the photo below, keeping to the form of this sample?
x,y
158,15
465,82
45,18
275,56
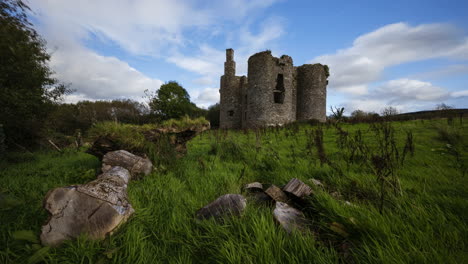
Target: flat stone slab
x,y
297,188
226,205
96,208
136,165
289,217
277,194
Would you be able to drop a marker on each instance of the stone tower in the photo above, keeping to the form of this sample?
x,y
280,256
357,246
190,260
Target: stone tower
x,y
274,93
271,90
230,94
312,92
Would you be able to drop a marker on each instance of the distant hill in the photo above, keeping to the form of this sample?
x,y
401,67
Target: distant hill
x,y
432,114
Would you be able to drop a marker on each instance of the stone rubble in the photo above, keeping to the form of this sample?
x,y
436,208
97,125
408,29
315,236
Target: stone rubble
x,y
226,205
289,217
297,188
277,194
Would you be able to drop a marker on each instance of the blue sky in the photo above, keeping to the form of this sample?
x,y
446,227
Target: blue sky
x,y
408,54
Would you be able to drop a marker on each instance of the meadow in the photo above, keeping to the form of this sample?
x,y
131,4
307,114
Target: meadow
x,y
393,193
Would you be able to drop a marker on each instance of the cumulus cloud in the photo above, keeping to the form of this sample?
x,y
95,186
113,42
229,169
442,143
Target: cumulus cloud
x,y
404,94
155,28
448,71
353,68
209,62
144,27
459,94
99,77
207,97
402,90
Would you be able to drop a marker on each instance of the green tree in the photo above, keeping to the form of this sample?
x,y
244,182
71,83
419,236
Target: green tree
x,y
213,115
27,88
172,101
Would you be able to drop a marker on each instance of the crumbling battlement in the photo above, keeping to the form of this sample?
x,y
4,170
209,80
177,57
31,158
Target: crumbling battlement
x,y
274,93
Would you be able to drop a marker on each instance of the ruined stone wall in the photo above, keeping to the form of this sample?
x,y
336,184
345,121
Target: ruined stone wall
x,y
230,94
274,93
270,90
244,99
311,92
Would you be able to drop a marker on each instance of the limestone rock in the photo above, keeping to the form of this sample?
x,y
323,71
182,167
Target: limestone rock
x,y
136,165
297,188
288,217
96,208
228,204
277,194
254,187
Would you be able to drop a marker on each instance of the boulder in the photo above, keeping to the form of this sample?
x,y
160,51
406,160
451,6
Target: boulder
x,y
226,205
277,194
289,218
297,188
95,209
136,165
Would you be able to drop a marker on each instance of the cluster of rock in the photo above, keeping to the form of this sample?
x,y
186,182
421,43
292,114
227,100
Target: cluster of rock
x,y
96,208
285,214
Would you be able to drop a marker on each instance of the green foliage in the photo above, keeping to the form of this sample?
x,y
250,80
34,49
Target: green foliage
x,y
427,222
138,138
67,118
28,89
172,101
337,113
327,70
184,122
359,116
213,115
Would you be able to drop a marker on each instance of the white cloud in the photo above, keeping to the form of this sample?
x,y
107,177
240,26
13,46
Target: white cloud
x,y
143,27
404,94
402,90
352,69
155,28
99,77
209,62
207,97
459,94
448,71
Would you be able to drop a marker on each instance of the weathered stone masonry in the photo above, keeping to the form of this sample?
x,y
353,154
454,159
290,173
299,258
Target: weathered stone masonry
x,y
274,93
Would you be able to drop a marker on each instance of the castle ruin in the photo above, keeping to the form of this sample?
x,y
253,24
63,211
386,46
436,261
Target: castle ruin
x,y
274,93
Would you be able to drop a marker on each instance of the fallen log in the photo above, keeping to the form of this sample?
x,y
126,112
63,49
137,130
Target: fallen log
x,y
136,165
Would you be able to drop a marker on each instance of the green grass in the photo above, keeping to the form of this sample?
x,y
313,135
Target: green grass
x,y
426,224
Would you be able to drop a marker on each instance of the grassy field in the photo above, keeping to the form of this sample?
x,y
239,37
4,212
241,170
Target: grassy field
x,y
424,217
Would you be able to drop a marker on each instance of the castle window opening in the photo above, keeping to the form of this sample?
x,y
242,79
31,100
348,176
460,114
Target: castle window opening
x,y
231,112
278,93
